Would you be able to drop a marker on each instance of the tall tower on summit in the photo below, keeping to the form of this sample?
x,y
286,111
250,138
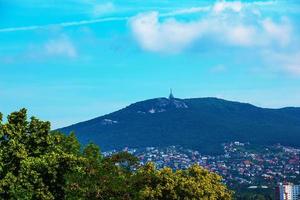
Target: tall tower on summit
x,y
171,94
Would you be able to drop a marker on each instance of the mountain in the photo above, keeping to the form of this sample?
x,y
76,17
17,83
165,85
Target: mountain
x,y
199,123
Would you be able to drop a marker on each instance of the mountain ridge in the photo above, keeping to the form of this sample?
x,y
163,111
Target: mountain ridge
x,y
198,123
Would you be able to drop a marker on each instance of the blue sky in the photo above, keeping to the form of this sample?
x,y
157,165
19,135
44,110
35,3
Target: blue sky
x,y
72,60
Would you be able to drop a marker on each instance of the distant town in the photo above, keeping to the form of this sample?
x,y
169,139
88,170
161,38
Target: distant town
x,y
241,164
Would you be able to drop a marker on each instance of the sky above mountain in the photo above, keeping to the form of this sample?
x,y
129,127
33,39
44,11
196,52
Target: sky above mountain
x,y
71,60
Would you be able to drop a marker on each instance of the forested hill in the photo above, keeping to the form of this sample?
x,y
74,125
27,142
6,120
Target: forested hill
x,y
199,123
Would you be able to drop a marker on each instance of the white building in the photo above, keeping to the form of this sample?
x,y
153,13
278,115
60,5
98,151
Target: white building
x,y
288,191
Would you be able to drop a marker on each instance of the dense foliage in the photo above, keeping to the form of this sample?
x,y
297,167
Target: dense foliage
x,y
201,124
38,164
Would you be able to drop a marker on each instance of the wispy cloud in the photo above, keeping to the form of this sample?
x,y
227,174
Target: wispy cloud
x,y
63,24
285,61
61,46
280,32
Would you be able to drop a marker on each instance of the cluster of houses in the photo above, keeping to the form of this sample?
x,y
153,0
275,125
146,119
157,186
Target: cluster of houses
x,y
241,163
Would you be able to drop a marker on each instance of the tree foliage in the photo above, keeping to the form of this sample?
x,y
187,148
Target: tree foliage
x,y
164,184
36,163
33,161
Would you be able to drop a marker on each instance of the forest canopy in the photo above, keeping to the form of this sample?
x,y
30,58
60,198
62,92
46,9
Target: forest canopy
x,y
36,163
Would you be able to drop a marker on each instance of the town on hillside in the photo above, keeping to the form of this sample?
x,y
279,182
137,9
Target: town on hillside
x,y
242,165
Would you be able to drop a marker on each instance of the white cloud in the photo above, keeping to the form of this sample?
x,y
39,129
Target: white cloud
x,y
60,47
221,6
240,34
170,35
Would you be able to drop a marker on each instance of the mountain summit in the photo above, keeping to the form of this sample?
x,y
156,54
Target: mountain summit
x,y
200,123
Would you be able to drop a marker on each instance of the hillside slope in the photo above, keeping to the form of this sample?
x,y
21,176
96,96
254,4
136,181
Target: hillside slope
x,y
199,123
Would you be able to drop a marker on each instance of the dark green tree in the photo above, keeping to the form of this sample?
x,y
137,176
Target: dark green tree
x,y
102,178
33,162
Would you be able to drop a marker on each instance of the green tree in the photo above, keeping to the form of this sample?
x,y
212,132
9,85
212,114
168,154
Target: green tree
x,y
102,178
38,164
165,184
32,161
